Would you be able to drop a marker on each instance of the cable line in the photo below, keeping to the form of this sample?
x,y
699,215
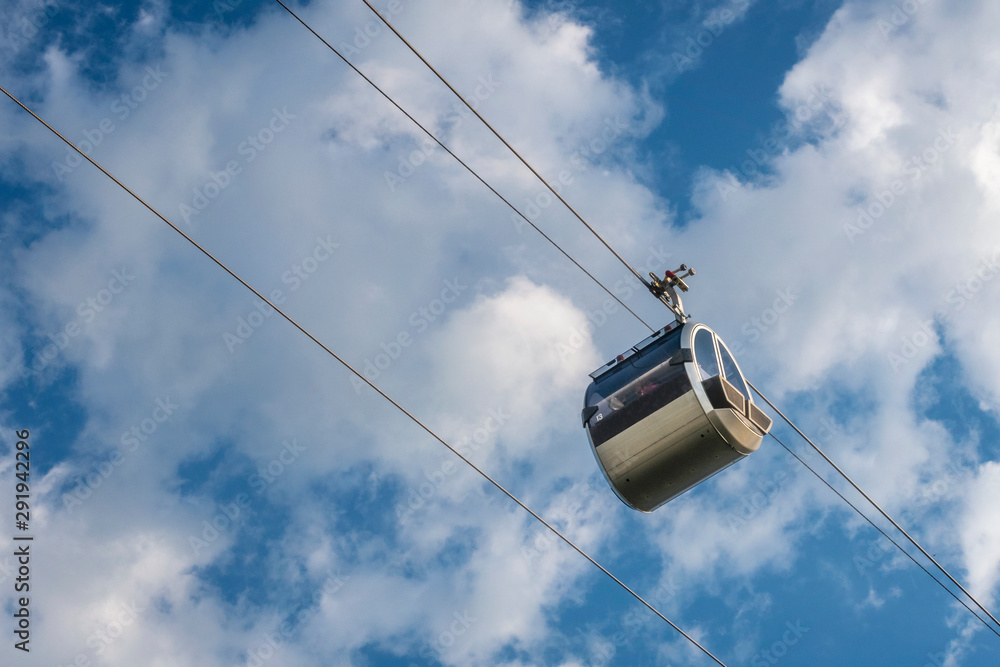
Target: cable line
x,y
886,536
486,123
417,53
877,507
450,87
368,382
462,162
505,143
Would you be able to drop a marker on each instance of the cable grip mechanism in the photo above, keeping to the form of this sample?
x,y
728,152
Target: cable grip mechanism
x,y
664,290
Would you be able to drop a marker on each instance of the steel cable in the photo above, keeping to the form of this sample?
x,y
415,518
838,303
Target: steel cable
x,y
507,144
880,510
884,534
468,168
472,109
368,382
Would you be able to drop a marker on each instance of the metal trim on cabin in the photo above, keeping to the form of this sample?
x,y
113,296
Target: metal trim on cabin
x,y
657,427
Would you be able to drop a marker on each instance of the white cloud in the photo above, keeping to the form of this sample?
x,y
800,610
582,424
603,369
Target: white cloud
x,y
512,344
161,337
904,116
979,535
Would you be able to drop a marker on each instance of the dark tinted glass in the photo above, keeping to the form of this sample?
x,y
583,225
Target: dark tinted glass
x,y
637,388
638,364
704,354
732,372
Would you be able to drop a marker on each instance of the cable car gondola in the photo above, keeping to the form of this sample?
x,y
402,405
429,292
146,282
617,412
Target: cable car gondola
x,y
672,411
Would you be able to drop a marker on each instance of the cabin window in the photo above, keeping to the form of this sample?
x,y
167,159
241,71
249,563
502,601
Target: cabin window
x,y
732,373
704,354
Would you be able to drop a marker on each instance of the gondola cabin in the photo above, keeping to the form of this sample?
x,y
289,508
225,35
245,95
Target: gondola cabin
x,y
669,413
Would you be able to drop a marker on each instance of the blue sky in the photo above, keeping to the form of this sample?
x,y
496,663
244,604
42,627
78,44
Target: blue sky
x,y
210,488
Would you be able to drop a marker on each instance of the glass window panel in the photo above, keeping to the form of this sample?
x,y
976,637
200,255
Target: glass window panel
x,y
625,373
732,373
704,354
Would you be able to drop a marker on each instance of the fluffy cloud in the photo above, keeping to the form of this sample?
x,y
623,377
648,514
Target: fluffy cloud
x,y
366,533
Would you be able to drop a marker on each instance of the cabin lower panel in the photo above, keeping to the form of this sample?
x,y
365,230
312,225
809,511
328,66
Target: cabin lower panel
x,y
666,454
